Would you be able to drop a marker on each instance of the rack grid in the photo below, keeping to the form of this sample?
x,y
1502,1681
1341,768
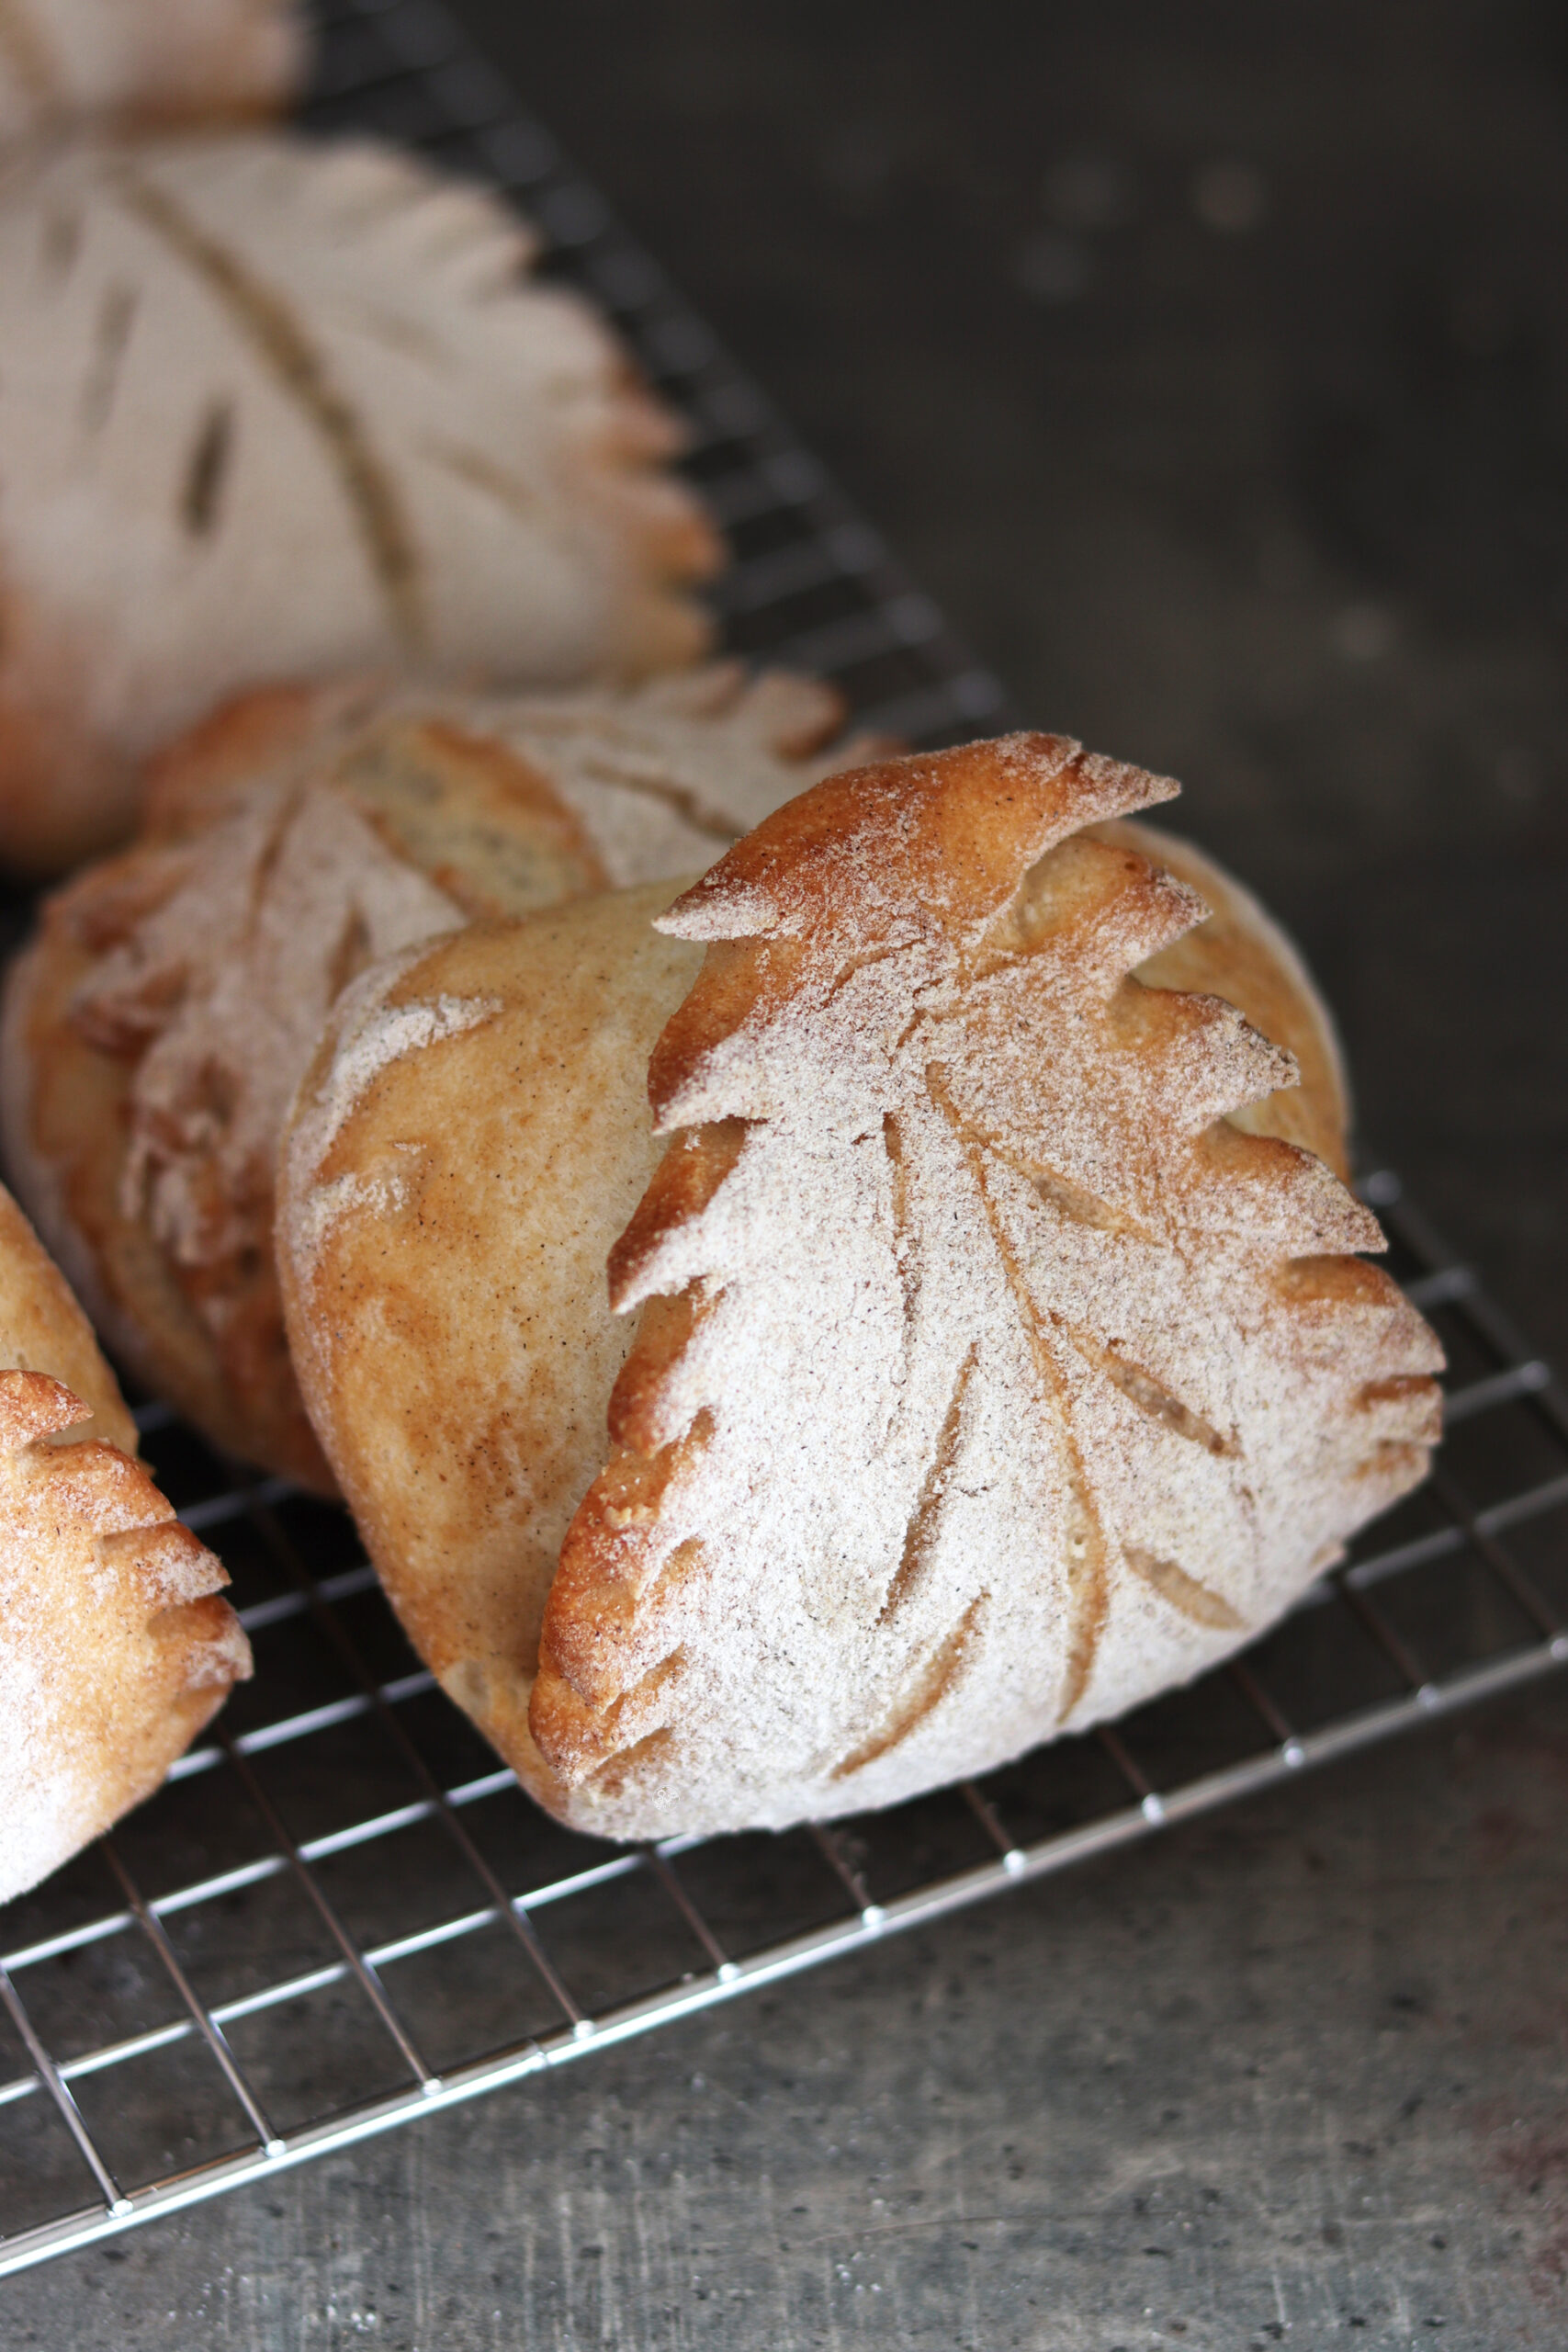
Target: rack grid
x,y
339,1914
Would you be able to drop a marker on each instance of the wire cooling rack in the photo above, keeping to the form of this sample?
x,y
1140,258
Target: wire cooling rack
x,y
339,1912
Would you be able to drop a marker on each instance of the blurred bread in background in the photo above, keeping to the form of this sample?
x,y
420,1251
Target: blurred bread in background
x,y
273,409
64,62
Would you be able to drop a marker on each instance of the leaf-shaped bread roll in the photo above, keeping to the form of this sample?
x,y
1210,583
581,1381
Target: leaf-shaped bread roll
x,y
273,408
147,61
979,1373
157,1026
115,1649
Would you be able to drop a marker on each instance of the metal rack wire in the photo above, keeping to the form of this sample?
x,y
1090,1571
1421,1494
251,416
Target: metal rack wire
x,y
339,1912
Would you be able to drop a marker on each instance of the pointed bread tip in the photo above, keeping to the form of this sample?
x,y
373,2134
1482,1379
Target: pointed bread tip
x,y
970,819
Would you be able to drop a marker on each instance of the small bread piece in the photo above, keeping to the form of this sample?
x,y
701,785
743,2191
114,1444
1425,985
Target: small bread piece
x,y
156,1028
976,1373
281,409
66,62
115,1649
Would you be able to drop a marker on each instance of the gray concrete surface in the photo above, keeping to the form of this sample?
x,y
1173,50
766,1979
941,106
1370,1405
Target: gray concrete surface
x,y
1262,480
1296,2077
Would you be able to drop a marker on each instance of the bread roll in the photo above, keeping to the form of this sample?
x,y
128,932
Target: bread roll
x,y
156,1028
145,61
971,1372
115,1649
280,409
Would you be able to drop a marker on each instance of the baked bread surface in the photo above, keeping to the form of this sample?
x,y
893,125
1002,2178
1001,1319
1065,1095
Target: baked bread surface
x,y
472,1134
115,1649
985,1374
1240,953
155,1030
274,408
145,61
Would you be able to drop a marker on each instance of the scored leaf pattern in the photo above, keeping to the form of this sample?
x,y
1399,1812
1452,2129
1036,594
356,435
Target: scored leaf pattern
x,y
989,1378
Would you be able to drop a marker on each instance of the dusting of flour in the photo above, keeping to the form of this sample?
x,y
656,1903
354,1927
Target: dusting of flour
x,y
1016,1383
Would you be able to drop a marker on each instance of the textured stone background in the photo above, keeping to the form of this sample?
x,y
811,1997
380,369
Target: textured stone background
x,y
1207,363
1294,2077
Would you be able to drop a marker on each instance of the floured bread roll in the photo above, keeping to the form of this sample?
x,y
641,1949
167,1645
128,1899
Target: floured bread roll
x,y
974,1372
279,409
115,1649
156,1028
147,61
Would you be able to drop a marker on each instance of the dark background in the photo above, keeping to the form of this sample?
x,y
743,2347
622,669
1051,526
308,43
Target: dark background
x,y
1206,362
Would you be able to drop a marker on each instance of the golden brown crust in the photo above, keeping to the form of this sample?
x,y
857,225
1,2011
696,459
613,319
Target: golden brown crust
x,y
130,952
43,1329
441,1262
65,1105
115,1649
200,778
1241,953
